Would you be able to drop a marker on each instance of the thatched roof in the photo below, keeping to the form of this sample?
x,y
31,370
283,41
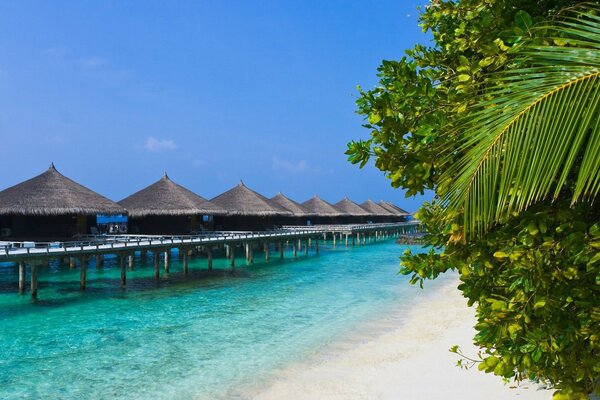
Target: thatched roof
x,y
241,200
320,208
295,208
349,208
51,193
375,209
166,197
393,208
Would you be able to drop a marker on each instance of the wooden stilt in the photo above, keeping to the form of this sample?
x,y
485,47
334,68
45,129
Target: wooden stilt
x,y
232,257
247,248
294,249
130,259
280,249
299,244
21,277
34,281
227,251
306,248
82,274
309,241
333,240
72,262
167,260
99,260
156,266
317,246
210,257
346,240
251,251
185,260
123,270
267,250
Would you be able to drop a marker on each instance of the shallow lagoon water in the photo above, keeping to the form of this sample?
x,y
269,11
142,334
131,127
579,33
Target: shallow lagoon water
x,y
195,337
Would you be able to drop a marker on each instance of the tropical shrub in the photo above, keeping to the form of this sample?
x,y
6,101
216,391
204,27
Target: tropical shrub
x,y
501,118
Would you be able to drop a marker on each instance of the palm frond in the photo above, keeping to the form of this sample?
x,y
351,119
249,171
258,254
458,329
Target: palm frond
x,y
536,126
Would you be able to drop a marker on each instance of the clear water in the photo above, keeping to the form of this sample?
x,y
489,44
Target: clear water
x,y
197,337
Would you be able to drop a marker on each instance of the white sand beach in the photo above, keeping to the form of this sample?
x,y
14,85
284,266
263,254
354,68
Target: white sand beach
x,y
408,362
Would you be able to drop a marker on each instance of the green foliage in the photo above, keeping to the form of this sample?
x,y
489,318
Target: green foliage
x,y
529,257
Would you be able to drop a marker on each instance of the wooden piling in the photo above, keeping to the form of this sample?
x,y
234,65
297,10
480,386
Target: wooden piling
x,y
232,257
306,248
21,277
280,249
123,259
34,280
156,266
99,260
185,260
267,250
72,262
346,240
210,257
317,246
167,260
294,249
82,273
130,260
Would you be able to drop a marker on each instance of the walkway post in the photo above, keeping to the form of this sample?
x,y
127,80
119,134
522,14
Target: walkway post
x,y
267,250
82,273
294,248
156,254
306,248
123,257
21,277
232,257
280,249
185,260
167,260
34,280
210,257
317,246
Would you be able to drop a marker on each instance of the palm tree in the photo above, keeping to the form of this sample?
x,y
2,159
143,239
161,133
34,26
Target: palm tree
x,y
535,131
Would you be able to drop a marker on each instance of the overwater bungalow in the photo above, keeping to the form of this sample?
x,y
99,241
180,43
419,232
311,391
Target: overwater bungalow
x,y
168,208
376,212
300,214
321,211
247,210
51,206
351,213
399,214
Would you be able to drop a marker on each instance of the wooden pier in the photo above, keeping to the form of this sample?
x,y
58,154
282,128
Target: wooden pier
x,y
38,254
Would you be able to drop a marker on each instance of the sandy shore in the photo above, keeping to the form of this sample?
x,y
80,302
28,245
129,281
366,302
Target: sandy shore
x,y
411,361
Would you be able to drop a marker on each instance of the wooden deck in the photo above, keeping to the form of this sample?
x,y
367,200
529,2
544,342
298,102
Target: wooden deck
x,y
35,254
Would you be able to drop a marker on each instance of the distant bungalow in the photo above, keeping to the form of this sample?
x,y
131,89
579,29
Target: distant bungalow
x,y
247,210
321,211
51,206
300,214
169,209
350,212
400,214
376,212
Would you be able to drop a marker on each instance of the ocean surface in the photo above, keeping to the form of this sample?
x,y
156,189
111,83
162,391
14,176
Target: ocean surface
x,y
200,337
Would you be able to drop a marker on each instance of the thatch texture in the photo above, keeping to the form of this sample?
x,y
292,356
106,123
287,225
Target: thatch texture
x,y
295,208
320,208
393,208
349,208
375,209
166,197
241,200
51,193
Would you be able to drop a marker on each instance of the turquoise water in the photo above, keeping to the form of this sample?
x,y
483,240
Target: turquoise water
x,y
197,337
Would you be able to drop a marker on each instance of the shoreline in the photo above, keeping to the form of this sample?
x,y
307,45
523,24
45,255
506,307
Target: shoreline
x,y
403,355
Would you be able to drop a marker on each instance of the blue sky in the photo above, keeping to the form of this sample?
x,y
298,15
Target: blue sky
x,y
115,93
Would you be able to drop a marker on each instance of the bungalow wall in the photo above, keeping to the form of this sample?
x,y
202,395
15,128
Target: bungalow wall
x,y
44,227
169,224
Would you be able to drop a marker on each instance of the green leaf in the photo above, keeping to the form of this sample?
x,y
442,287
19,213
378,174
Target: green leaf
x,y
500,254
464,77
539,304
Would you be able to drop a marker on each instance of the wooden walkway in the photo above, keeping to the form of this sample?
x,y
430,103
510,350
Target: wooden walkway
x,y
36,254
